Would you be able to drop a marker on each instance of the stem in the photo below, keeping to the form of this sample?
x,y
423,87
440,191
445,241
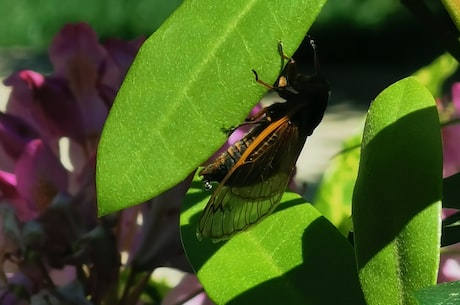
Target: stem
x,y
450,122
127,287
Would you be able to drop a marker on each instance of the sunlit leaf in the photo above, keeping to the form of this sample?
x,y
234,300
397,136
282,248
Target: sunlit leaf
x,y
295,256
191,79
435,74
396,201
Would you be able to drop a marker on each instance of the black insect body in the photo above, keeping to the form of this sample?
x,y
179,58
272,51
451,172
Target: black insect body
x,y
254,172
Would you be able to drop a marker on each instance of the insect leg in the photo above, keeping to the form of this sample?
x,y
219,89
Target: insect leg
x,y
247,122
262,82
291,70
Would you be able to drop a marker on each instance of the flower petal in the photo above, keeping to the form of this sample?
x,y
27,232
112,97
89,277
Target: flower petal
x,y
9,194
451,149
15,133
455,91
78,57
47,104
40,175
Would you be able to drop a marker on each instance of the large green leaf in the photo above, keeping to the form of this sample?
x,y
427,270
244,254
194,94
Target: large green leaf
x,y
191,79
295,256
396,201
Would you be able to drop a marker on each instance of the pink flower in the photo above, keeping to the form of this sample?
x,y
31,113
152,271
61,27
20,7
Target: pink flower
x,y
15,133
10,194
50,235
75,100
449,111
40,175
49,212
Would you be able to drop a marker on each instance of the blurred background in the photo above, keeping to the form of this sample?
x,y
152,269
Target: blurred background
x,y
364,46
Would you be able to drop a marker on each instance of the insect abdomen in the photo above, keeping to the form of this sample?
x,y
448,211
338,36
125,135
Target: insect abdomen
x,y
217,170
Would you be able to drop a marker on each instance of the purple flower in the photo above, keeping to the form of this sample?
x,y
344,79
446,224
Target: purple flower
x,y
49,225
74,101
449,112
54,247
40,175
451,132
15,133
449,265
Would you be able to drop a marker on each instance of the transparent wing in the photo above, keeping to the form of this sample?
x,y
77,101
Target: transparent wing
x,y
234,209
254,186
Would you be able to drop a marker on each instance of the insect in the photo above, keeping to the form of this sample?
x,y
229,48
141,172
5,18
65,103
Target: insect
x,y
254,172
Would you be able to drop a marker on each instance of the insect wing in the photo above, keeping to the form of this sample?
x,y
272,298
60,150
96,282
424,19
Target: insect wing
x,y
234,209
254,186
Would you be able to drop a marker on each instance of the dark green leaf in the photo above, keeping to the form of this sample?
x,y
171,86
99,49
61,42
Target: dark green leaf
x,y
435,74
396,201
450,235
451,192
295,256
191,79
442,294
450,230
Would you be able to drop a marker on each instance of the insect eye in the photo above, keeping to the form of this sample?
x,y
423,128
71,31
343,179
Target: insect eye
x,y
282,82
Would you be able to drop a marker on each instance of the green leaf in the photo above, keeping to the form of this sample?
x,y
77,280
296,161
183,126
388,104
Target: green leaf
x,y
435,74
334,195
191,79
451,192
295,256
450,230
442,294
453,8
396,201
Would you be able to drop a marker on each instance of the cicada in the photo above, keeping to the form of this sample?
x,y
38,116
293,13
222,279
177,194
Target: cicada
x,y
254,172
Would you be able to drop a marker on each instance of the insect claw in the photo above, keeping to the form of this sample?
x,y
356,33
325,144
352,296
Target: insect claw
x,y
261,81
228,131
281,52
280,47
